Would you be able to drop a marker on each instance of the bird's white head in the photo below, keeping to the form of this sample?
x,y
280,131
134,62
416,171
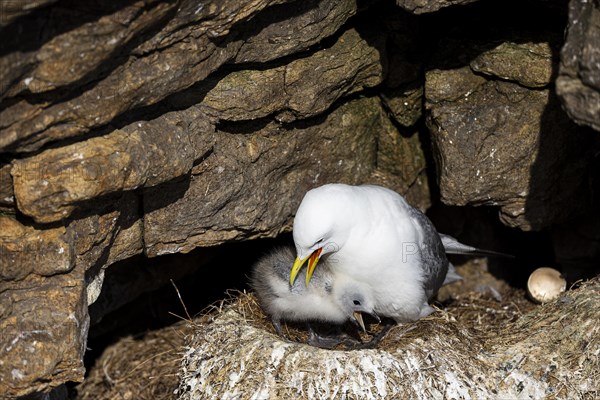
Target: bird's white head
x,y
321,226
355,299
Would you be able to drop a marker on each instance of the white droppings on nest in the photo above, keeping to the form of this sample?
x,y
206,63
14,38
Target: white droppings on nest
x,y
380,380
520,385
306,371
277,354
455,389
233,354
282,369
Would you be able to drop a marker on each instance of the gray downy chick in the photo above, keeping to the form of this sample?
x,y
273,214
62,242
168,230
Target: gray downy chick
x,y
330,298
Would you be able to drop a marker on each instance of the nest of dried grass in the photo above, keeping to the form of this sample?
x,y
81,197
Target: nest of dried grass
x,y
142,367
476,347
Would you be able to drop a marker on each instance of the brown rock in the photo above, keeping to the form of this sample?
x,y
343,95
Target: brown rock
x,y
193,44
405,104
112,233
12,10
251,184
292,27
445,86
530,64
49,186
25,250
402,92
74,55
7,195
305,87
109,98
44,295
427,6
402,157
44,326
490,149
496,141
578,83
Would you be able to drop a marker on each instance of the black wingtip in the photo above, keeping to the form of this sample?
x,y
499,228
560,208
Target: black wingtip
x,y
481,252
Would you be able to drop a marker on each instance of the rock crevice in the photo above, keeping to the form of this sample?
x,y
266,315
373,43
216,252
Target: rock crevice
x,y
149,127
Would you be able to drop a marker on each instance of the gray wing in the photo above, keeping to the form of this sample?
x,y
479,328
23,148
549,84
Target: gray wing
x,y
433,254
452,276
453,246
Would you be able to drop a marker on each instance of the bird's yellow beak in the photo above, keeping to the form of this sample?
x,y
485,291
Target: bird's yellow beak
x,y
312,263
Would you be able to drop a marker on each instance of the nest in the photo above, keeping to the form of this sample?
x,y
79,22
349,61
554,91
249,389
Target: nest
x,y
143,367
475,347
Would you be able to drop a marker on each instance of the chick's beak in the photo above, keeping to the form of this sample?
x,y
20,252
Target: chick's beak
x,y
312,263
359,320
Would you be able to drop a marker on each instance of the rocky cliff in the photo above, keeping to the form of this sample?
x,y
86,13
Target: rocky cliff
x,y
158,127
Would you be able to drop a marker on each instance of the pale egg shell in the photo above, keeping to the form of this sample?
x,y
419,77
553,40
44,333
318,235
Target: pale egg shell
x,y
545,284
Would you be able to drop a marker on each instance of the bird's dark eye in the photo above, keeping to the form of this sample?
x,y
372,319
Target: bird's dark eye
x,y
318,242
356,303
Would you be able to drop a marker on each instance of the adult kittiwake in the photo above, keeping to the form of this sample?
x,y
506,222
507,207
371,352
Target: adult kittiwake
x,y
371,234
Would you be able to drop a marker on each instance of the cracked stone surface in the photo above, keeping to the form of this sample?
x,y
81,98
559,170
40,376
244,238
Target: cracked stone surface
x,y
141,128
498,132
578,83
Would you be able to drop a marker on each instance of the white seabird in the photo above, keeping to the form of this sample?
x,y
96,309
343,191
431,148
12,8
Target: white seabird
x,y
375,237
328,299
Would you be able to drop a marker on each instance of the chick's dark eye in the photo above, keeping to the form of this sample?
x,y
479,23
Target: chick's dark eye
x,y
356,303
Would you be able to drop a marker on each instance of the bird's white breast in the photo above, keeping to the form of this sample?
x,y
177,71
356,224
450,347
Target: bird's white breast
x,y
382,250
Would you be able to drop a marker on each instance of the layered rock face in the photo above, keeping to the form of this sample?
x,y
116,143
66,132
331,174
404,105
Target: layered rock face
x,y
499,131
578,83
155,127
